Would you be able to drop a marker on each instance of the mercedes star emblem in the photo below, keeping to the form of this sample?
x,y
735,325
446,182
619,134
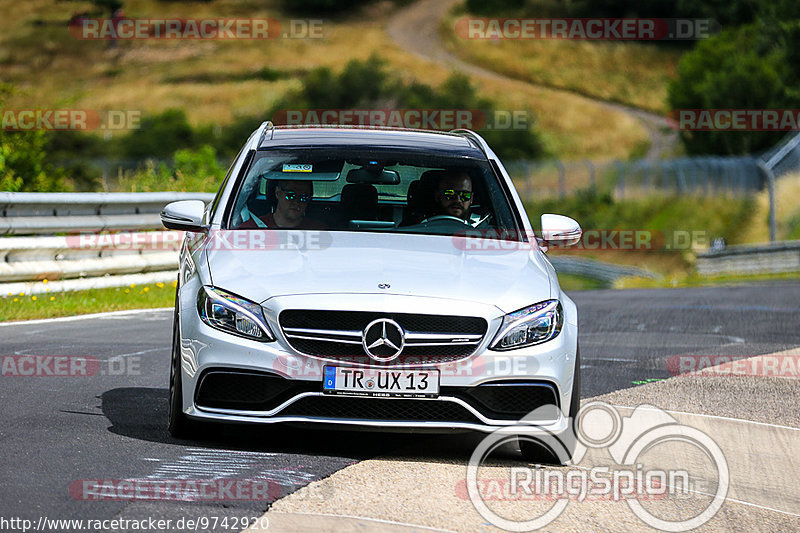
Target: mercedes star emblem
x,y
383,339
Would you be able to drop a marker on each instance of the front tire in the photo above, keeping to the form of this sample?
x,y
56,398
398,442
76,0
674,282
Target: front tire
x,y
180,426
558,449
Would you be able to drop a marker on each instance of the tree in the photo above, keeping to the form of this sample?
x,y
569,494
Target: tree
x,y
737,69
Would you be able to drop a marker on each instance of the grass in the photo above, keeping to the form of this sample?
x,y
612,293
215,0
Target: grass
x,y
676,227
695,280
51,69
787,212
49,305
572,282
630,73
71,303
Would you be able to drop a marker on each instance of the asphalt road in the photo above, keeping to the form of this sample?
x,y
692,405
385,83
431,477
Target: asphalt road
x,y
57,432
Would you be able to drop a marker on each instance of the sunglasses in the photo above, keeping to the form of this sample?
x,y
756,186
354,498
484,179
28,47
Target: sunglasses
x,y
450,194
291,196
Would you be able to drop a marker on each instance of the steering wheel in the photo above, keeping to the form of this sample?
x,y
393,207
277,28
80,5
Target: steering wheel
x,y
484,222
444,217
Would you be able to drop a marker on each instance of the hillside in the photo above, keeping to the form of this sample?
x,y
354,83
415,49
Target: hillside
x,y
215,81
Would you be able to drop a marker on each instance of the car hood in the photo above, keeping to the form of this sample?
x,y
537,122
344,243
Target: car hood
x,y
509,276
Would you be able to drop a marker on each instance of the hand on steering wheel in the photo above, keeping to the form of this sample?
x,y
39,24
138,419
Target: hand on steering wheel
x,y
444,217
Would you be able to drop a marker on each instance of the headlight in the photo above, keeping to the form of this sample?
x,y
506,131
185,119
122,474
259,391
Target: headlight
x,y
228,312
532,325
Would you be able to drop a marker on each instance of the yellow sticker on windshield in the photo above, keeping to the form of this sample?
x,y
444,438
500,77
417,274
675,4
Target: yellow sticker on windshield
x,y
296,168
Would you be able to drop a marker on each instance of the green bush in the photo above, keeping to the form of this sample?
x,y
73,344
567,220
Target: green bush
x,y
195,171
159,136
23,166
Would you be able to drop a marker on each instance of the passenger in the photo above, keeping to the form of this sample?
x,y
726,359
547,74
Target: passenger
x,y
453,195
292,198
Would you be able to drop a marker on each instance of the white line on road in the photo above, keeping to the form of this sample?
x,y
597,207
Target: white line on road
x,y
107,314
743,420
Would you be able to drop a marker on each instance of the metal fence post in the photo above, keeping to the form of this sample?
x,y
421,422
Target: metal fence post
x,y
771,188
562,179
592,179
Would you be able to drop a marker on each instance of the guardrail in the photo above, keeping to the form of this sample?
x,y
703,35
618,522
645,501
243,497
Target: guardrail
x,y
48,213
91,257
87,256
773,258
589,268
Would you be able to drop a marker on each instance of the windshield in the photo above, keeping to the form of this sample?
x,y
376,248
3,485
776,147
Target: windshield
x,y
374,191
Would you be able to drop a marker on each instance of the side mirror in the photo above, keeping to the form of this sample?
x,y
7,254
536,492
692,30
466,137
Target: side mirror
x,y
559,230
185,215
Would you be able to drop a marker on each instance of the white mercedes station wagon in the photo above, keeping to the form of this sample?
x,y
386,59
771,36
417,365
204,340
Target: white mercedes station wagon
x,y
371,278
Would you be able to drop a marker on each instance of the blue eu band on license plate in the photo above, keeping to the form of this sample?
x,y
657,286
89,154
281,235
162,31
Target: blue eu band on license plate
x,y
380,382
330,377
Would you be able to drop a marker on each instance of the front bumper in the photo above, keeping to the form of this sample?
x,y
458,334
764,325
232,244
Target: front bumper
x,y
206,352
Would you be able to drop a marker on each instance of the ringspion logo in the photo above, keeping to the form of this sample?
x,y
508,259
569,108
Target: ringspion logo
x,y
646,456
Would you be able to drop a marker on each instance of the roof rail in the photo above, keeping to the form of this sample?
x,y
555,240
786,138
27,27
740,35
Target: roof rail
x,y
268,127
475,138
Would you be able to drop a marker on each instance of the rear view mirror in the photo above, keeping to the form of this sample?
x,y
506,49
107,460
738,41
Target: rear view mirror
x,y
374,176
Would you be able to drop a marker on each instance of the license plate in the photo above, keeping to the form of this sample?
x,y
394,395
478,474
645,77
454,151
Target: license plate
x,y
380,382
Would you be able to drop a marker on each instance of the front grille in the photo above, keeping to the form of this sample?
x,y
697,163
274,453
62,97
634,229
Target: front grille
x,y
248,391
394,409
338,335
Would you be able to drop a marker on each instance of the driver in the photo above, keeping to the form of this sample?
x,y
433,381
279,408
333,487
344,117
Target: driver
x,y
454,194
